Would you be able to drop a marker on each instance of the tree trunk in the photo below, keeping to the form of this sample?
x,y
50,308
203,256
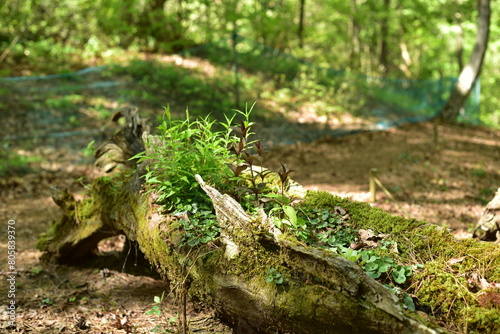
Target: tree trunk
x,y
488,226
384,36
354,27
300,31
472,70
460,42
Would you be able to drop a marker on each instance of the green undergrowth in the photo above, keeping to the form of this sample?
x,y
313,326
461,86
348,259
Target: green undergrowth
x,y
447,272
13,163
185,86
211,88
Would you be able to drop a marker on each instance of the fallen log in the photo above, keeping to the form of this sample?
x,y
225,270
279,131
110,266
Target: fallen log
x,y
232,276
317,291
488,225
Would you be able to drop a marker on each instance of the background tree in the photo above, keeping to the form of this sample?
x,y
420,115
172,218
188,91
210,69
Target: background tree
x,y
300,32
472,70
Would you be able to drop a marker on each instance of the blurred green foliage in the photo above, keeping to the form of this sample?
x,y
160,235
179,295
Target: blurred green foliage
x,y
421,37
14,163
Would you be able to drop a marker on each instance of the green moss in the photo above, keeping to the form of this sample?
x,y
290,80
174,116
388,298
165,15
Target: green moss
x,y
442,284
483,320
253,261
69,229
156,243
362,214
45,238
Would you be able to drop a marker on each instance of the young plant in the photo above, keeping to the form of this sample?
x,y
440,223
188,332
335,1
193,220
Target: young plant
x,y
247,153
186,148
377,266
273,276
156,306
157,310
283,174
200,226
323,228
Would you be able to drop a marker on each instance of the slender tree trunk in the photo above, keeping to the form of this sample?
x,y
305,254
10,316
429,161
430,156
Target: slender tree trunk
x,y
300,32
355,62
460,42
384,35
262,27
472,70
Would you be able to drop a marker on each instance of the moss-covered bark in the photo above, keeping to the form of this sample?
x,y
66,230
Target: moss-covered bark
x,y
458,282
320,293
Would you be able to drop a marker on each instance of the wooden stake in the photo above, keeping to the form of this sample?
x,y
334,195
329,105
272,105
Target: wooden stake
x,y
374,182
373,185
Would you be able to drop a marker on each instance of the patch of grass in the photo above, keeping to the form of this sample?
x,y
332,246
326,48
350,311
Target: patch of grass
x,y
64,103
478,172
486,195
161,83
13,163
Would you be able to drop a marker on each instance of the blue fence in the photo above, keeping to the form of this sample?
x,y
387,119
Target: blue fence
x,y
390,102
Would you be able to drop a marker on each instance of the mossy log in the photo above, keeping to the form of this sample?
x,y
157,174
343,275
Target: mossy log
x,y
321,292
456,282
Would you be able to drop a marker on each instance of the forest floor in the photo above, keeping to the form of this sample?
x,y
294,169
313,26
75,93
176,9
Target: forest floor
x,y
446,182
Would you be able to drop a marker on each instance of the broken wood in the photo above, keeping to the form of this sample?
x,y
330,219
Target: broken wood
x,y
488,226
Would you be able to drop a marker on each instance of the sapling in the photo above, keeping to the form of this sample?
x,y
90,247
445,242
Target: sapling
x,y
246,160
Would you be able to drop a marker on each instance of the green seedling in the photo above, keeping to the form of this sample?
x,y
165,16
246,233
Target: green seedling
x,y
273,276
156,306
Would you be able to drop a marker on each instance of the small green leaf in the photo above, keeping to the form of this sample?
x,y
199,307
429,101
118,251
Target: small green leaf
x,y
371,266
399,276
373,274
291,214
408,301
383,266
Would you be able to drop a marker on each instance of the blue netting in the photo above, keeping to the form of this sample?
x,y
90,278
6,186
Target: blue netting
x,y
391,101
387,102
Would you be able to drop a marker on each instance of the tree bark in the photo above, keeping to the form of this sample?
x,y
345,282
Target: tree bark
x,y
472,70
488,226
384,36
354,27
460,42
300,31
